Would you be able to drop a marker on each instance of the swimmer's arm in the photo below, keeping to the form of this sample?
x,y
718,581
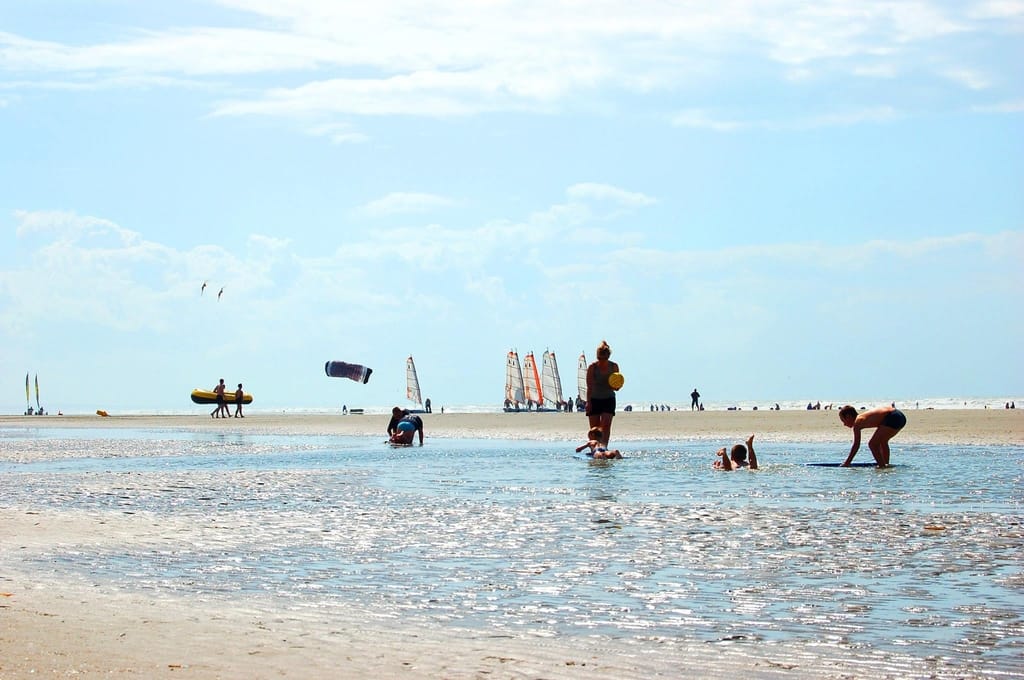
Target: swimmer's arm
x,y
856,446
750,450
580,448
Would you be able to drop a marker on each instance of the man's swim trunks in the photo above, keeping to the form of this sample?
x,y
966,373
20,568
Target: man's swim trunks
x,y
895,419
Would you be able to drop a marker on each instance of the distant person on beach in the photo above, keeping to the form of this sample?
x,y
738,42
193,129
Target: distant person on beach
x,y
406,428
737,457
239,395
595,443
600,395
222,404
694,400
886,420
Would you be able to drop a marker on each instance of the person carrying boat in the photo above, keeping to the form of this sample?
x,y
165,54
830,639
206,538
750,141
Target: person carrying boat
x,y
600,404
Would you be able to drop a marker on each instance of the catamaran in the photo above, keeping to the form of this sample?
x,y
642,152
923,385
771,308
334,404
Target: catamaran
x,y
550,381
515,390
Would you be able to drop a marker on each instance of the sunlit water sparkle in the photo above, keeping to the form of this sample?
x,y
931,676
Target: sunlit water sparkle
x,y
923,559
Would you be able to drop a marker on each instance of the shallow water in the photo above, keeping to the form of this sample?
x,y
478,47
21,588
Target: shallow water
x,y
922,560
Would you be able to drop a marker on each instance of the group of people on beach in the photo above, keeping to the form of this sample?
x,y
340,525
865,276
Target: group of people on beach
x,y
886,421
222,403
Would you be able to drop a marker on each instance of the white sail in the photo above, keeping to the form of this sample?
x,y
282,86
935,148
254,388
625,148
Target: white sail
x,y
531,380
412,382
550,381
515,392
581,377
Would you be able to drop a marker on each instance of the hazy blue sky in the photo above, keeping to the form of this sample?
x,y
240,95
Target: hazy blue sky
x,y
766,200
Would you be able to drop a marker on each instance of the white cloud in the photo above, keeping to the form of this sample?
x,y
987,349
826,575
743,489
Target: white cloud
x,y
450,58
704,120
1016,106
969,78
405,203
605,192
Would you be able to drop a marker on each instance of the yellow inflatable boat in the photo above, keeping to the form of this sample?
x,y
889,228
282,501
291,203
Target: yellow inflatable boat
x,y
210,397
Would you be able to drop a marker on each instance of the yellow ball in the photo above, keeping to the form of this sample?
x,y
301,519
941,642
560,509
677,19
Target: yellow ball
x,y
616,381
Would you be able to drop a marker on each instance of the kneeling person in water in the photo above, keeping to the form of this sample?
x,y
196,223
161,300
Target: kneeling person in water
x,y
406,429
596,445
737,457
886,420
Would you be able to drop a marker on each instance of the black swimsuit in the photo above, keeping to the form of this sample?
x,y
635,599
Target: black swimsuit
x,y
895,419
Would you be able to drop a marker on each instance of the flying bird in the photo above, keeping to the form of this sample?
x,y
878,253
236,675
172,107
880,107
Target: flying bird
x,y
203,289
221,292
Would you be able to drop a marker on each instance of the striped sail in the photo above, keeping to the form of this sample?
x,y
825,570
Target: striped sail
x,y
27,403
531,380
515,391
550,381
38,407
581,377
412,382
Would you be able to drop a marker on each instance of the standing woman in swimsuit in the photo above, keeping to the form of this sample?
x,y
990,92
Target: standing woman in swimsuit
x,y
600,396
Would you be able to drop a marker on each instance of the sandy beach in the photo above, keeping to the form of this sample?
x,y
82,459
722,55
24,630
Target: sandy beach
x,y
966,426
76,629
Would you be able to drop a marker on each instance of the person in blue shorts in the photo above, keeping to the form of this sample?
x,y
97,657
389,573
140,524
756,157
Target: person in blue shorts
x,y
887,422
403,427
595,443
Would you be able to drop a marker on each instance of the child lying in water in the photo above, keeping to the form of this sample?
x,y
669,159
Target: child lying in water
x,y
737,458
596,445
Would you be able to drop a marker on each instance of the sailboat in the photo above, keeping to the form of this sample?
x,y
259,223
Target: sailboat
x,y
531,382
515,390
581,376
550,381
412,383
28,404
39,409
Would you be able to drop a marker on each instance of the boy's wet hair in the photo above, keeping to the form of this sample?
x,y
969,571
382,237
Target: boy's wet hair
x,y
595,433
738,453
847,412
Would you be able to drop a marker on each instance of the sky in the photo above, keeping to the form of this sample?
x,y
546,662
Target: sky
x,y
769,199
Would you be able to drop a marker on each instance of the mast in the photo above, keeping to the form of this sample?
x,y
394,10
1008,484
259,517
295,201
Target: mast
x,y
412,382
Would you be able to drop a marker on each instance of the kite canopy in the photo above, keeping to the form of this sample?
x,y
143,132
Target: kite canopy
x,y
340,369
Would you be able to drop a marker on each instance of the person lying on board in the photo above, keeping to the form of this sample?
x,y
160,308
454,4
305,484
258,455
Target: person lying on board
x,y
887,421
737,457
596,445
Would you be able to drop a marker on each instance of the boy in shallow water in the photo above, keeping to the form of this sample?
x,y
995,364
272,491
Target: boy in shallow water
x,y
887,421
737,457
596,445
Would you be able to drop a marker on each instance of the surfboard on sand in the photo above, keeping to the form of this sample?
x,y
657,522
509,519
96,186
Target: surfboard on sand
x,y
835,465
